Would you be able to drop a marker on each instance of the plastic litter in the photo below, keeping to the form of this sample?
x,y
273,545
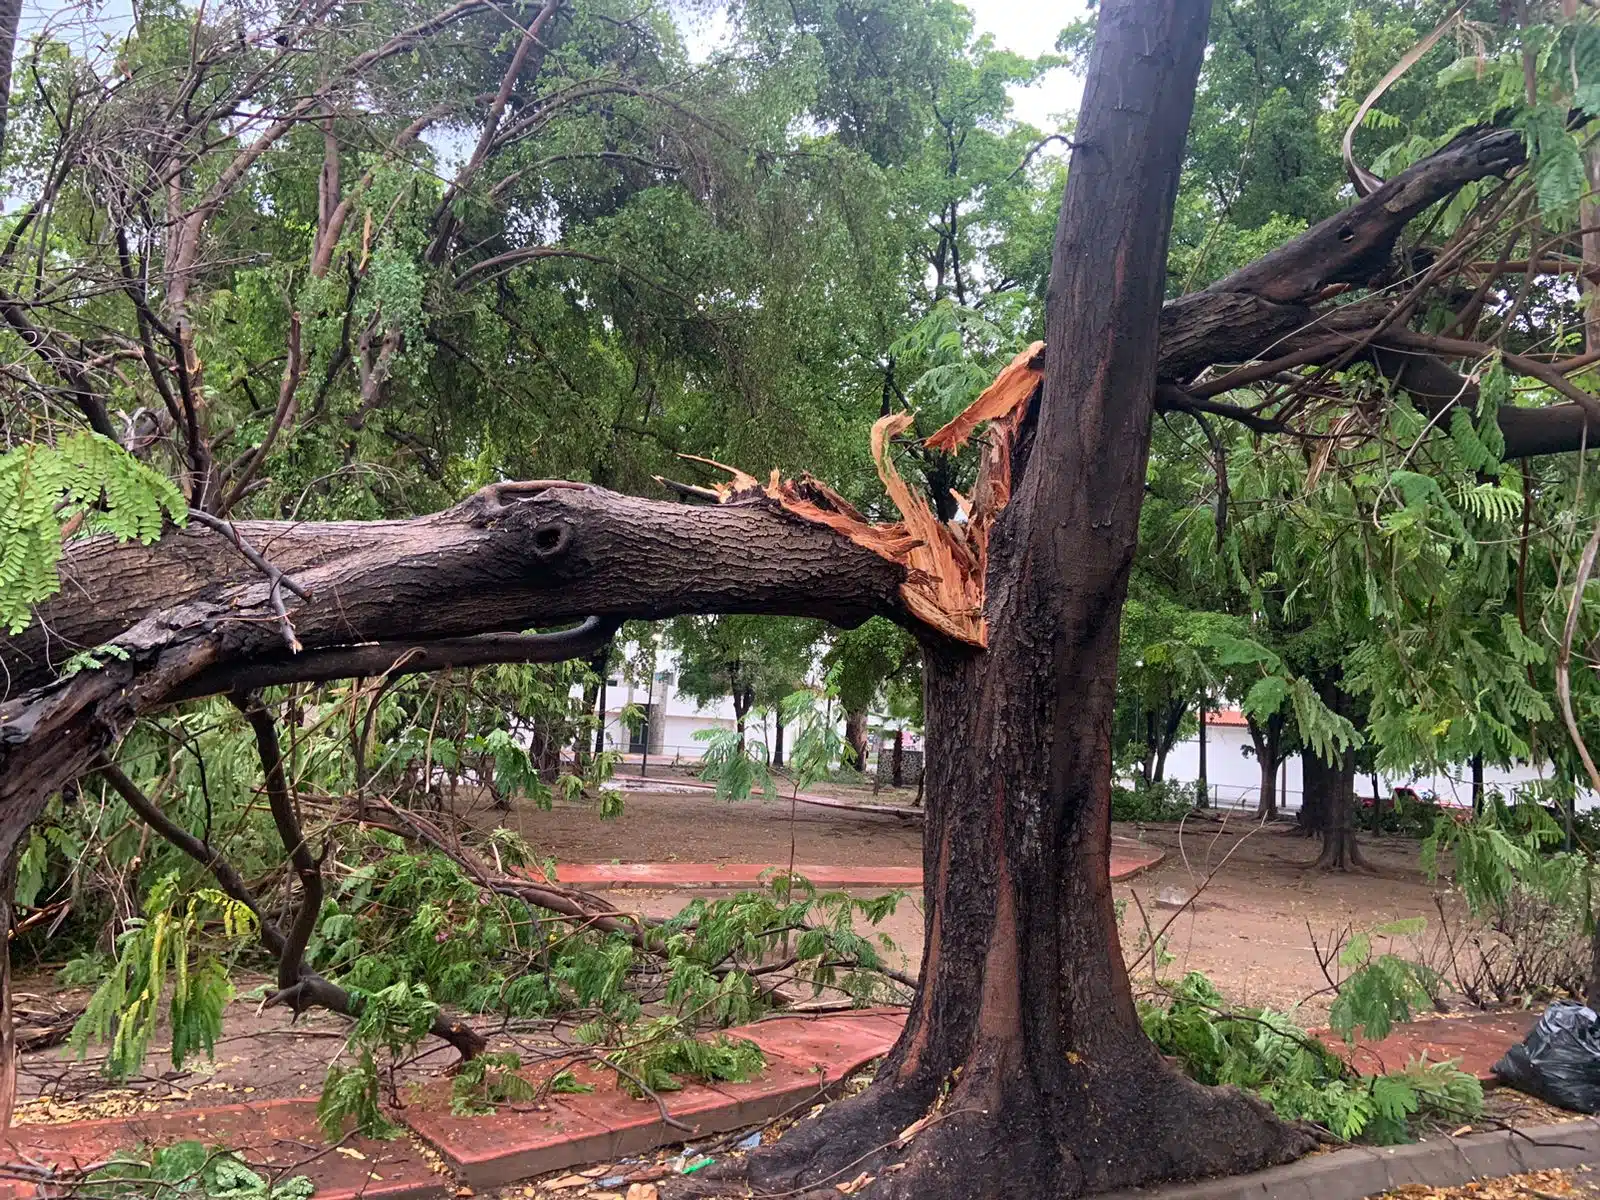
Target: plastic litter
x,y
698,1164
613,1181
1559,1060
750,1142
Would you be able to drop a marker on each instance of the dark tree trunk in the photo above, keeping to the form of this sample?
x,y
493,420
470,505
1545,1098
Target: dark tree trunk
x,y
8,1034
600,717
897,763
1267,738
1592,991
1316,797
777,739
1025,1022
1336,780
1340,850
855,736
1205,786
1477,784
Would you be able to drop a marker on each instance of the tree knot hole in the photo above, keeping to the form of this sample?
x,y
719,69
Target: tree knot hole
x,y
551,540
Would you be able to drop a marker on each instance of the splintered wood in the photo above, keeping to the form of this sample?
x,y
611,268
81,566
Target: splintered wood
x,y
945,563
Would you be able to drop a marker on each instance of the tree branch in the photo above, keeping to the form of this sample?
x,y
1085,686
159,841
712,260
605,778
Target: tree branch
x,y
313,988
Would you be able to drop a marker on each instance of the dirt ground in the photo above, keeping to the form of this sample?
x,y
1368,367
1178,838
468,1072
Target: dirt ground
x,y
1247,929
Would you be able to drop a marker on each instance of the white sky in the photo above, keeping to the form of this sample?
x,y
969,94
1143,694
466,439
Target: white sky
x,y
1031,29
1026,28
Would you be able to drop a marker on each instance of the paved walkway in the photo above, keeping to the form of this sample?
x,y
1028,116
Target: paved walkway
x,y
807,1058
1478,1040
1128,858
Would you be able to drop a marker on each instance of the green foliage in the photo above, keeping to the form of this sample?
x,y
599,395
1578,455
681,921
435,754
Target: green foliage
x,y
662,1052
189,1169
350,1098
126,1007
1379,993
491,1079
1299,1077
1162,801
42,486
734,764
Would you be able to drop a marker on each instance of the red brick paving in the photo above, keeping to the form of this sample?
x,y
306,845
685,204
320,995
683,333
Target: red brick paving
x,y
1478,1040
273,1134
1128,857
804,1058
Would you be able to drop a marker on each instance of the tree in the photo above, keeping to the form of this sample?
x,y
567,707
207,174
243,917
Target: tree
x,y
1023,1034
755,661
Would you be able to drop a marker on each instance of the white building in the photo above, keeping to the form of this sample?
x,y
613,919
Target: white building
x,y
667,719
1234,778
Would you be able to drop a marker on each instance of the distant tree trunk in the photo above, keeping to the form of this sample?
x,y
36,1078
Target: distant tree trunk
x,y
1336,809
1205,786
1267,738
777,738
855,736
1316,799
897,775
600,714
1477,784
1591,993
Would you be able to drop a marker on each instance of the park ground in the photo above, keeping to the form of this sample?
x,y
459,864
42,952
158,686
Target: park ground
x,y
1231,898
1256,915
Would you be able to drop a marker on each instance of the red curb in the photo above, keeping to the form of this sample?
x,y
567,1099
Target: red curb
x,y
730,875
806,1061
1128,858
275,1133
1478,1040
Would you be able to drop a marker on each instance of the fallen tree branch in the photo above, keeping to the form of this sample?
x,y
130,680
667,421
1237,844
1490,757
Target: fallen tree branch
x,y
314,989
396,659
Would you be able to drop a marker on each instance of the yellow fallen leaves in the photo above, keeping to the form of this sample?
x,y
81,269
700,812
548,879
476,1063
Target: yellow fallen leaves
x,y
1535,1185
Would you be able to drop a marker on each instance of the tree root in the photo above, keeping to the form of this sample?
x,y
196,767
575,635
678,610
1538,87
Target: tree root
x,y
1001,1134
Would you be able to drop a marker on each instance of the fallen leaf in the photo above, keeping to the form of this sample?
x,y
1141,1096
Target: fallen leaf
x,y
911,1130
349,1152
567,1181
855,1185
1459,1132
643,1191
595,1172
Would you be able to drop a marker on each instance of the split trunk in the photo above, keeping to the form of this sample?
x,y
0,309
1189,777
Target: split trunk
x,y
1023,1048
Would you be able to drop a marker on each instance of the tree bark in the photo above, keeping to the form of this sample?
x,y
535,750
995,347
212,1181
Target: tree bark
x,y
190,608
855,736
1334,813
777,738
1267,738
1024,1029
897,762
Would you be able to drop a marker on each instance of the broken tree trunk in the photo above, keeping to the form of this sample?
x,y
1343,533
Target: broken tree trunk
x,y
1023,1025
1022,1060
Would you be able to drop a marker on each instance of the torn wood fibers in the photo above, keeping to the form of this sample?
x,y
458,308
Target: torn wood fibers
x,y
944,563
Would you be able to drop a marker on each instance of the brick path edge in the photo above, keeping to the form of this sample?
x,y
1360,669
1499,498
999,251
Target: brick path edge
x,y
1372,1170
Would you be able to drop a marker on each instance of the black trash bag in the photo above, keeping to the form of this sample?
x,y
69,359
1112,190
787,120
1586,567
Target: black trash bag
x,y
1559,1060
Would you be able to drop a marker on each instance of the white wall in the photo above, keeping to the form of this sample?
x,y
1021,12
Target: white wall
x,y
1235,779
